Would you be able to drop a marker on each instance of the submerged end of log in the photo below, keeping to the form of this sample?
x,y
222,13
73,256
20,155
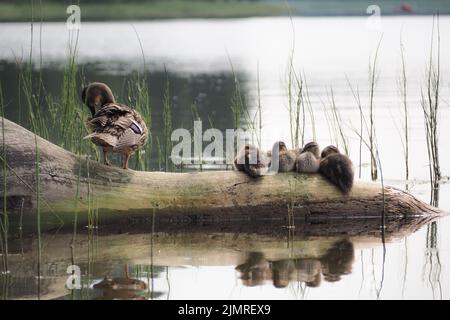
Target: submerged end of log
x,y
221,194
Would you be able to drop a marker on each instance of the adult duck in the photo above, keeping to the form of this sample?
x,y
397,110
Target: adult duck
x,y
115,127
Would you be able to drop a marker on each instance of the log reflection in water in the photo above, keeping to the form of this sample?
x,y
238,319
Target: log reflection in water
x,y
319,251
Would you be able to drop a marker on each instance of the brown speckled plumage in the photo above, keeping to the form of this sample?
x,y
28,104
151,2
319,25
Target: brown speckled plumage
x,y
337,168
252,161
115,127
308,160
286,157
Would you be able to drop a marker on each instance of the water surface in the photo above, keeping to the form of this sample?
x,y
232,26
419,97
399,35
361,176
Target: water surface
x,y
203,262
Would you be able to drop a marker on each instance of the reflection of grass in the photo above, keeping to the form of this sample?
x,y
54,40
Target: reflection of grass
x,y
38,217
150,10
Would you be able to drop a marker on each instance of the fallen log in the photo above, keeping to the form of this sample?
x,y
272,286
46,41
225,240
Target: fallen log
x,y
219,195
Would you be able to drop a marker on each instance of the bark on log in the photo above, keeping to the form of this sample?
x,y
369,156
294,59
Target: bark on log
x,y
213,194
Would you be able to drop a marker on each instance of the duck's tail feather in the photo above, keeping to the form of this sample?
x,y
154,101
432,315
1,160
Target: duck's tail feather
x,y
102,139
338,169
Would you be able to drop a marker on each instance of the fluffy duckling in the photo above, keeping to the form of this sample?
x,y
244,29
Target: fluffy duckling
x,y
116,127
337,168
252,161
308,161
286,157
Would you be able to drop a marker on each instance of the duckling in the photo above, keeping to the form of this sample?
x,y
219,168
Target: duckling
x,y
286,157
337,168
252,161
116,127
308,160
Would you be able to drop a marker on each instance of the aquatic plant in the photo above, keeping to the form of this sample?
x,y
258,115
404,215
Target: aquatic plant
x,y
337,123
38,218
4,222
362,122
372,84
403,86
167,118
430,103
139,98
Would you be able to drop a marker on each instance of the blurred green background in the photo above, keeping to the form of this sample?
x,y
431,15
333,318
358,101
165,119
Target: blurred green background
x,y
95,10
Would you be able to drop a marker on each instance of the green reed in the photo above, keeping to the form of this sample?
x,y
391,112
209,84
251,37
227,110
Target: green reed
x,y
295,104
259,110
430,103
362,122
4,223
237,103
373,77
312,118
139,98
198,149
337,122
167,118
38,216
241,113
403,92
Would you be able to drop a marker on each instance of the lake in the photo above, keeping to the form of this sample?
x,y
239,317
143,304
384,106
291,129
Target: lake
x,y
201,59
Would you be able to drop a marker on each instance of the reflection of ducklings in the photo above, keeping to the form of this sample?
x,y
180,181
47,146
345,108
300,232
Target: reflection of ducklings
x,y
286,157
254,270
338,260
309,159
121,288
337,168
252,161
309,271
282,271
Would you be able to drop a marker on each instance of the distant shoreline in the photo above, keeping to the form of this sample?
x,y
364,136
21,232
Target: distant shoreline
x,y
188,9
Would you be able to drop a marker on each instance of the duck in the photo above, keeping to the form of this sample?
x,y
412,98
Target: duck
x,y
337,168
116,127
286,157
308,158
252,161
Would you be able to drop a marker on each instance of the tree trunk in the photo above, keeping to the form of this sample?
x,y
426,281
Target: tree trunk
x,y
218,195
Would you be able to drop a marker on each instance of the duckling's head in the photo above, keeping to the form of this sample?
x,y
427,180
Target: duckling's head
x,y
312,147
95,95
329,150
281,146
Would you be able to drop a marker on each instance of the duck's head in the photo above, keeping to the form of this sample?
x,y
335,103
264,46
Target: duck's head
x,y
329,150
280,145
95,95
312,147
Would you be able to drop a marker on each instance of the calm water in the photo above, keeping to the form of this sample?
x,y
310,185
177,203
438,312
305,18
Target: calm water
x,y
331,260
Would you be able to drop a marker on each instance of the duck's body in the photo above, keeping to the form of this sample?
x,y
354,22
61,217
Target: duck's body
x,y
337,168
116,127
286,158
252,161
308,160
